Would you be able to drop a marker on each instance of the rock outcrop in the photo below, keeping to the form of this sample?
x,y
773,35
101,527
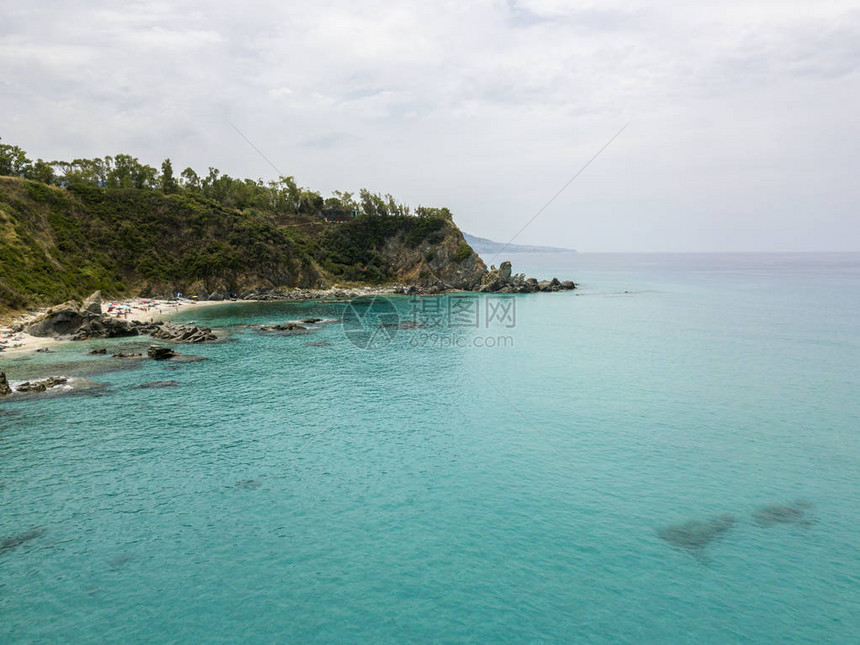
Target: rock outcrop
x,y
160,352
93,304
106,327
5,390
284,327
182,334
86,321
502,280
80,321
41,386
442,259
61,320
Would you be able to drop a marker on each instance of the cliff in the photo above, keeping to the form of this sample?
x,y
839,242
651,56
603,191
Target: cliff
x,y
61,243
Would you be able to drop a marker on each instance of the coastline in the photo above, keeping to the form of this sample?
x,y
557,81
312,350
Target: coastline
x,y
143,309
160,310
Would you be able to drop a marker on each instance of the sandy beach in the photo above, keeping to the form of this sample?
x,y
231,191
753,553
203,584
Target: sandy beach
x,y
143,309
157,310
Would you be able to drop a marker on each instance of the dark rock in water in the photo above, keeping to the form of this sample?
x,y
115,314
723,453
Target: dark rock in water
x,y
320,344
186,358
5,390
248,484
42,350
41,386
502,280
286,329
98,352
13,542
774,514
183,334
694,535
160,353
26,386
123,355
120,561
311,321
149,385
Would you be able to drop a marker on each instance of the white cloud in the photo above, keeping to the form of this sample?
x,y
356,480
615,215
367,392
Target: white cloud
x,y
740,113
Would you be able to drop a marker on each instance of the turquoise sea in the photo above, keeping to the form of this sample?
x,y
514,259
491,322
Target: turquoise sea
x,y
523,479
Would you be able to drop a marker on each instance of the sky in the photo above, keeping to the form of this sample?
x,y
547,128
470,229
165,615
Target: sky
x,y
742,131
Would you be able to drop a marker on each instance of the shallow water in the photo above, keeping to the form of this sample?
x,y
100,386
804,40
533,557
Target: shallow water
x,y
442,490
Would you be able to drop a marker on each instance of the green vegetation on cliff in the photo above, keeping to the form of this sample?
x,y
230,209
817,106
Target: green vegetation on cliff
x,y
119,226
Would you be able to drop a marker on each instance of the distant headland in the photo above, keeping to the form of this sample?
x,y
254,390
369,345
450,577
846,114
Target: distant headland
x,y
483,246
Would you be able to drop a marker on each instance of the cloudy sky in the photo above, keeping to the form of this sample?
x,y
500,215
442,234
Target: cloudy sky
x,y
743,131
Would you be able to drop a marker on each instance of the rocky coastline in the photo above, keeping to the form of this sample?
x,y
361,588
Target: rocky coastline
x,y
493,280
74,321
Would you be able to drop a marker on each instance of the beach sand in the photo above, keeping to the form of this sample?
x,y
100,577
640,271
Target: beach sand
x,y
154,310
145,310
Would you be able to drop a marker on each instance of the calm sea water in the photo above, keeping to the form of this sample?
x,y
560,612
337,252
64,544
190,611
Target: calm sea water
x,y
505,482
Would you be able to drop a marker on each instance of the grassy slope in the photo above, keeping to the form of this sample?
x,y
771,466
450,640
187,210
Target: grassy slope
x,y
58,243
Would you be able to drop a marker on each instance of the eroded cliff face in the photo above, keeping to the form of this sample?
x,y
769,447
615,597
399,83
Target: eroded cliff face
x,y
243,284
442,260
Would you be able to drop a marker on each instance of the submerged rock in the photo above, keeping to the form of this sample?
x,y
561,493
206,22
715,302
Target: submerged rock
x,y
13,542
186,358
248,484
120,561
98,352
150,385
694,535
775,514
